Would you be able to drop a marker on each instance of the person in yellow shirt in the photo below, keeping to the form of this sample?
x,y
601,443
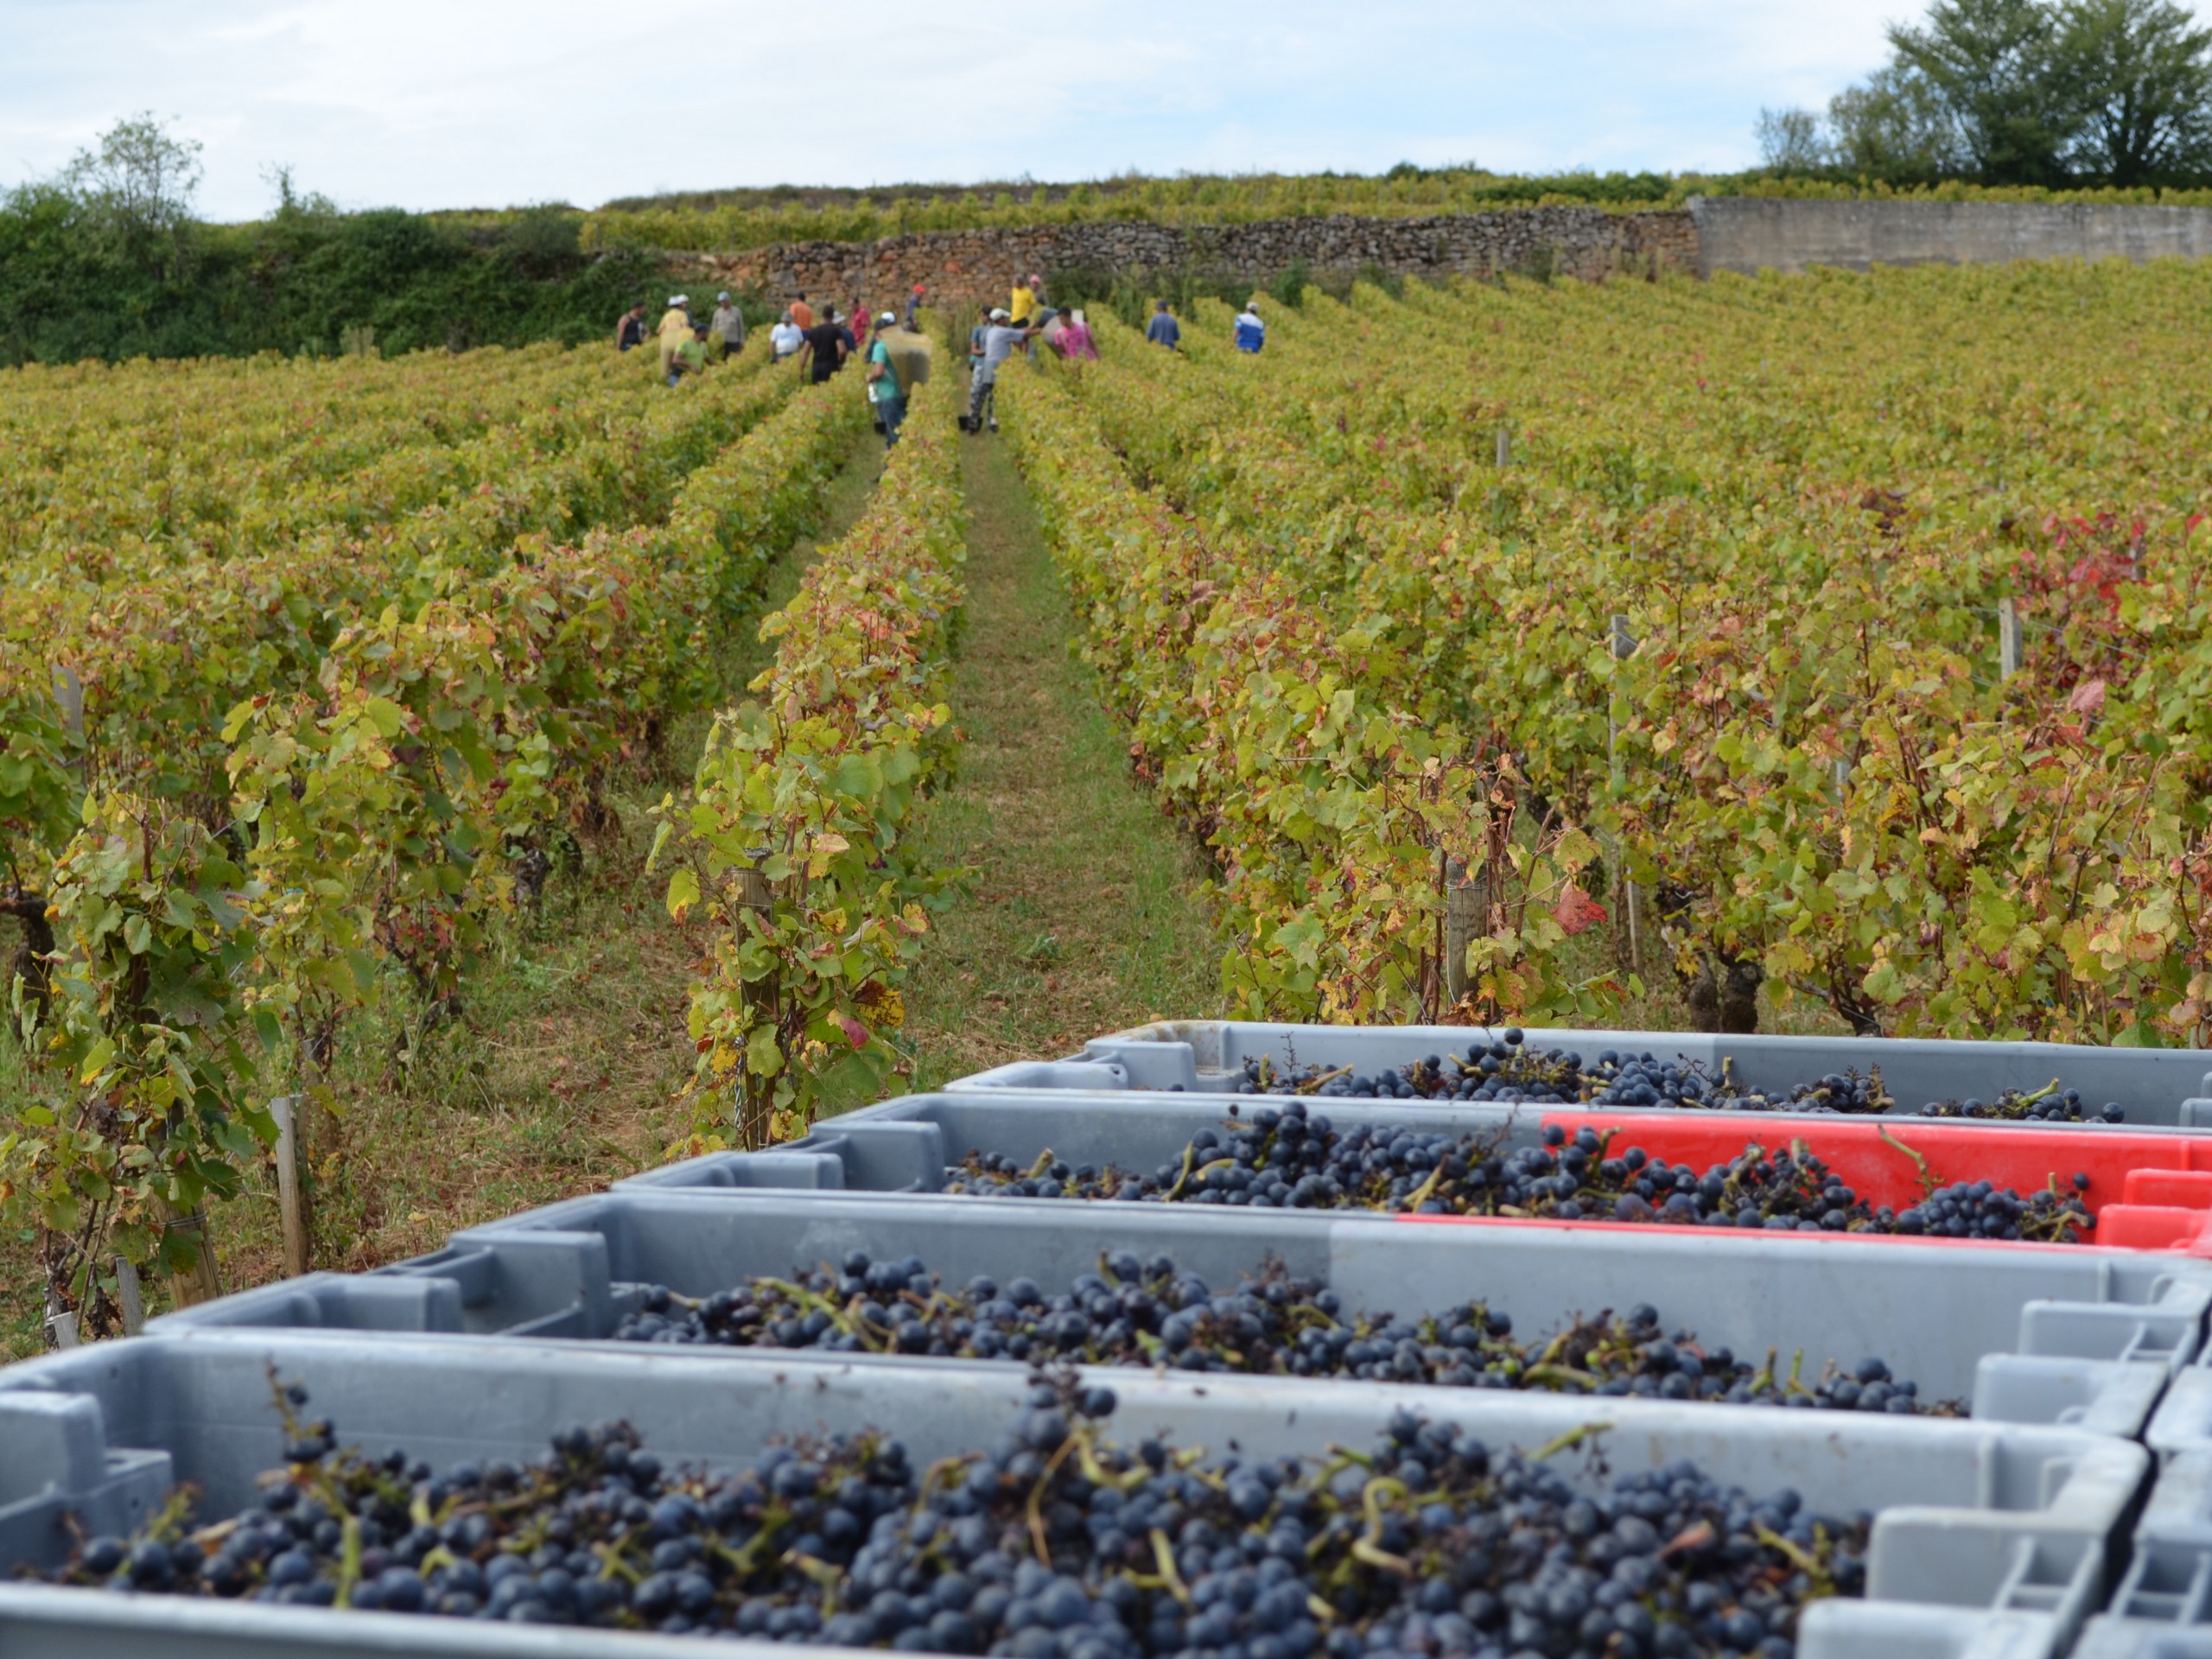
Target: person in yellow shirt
x,y
1024,303
675,329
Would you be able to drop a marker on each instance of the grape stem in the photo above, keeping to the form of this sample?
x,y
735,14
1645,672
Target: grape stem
x,y
1189,1158
1803,1560
1036,1506
349,1562
1165,1558
1928,1181
1573,1437
1367,1546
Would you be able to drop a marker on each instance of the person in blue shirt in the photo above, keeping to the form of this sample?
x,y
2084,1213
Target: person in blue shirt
x,y
1164,330
1251,333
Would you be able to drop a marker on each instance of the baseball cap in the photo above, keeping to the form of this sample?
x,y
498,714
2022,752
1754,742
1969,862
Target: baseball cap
x,y
998,311
723,295
888,316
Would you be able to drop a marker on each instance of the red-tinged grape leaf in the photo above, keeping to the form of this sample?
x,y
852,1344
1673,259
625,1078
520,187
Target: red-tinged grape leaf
x,y
856,1032
2087,698
1577,911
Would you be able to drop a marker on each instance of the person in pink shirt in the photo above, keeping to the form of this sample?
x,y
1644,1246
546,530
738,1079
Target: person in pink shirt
x,y
1075,342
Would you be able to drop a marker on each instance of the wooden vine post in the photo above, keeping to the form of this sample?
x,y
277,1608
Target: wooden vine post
x,y
131,1298
756,1095
198,1282
60,1320
1466,902
292,1189
1622,643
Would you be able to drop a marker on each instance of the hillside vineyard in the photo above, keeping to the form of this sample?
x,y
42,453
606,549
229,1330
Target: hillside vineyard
x,y
303,667
1538,592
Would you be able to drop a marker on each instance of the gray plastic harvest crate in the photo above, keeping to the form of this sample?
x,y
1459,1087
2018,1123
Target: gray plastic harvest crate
x,y
1983,1530
905,1144
2163,1606
2117,1637
2182,1433
2167,1588
2084,1340
2158,1087
911,1145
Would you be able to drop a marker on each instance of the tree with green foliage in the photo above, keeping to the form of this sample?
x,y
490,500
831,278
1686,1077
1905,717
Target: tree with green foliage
x,y
2139,80
1790,140
1995,64
107,259
136,188
2048,92
1896,127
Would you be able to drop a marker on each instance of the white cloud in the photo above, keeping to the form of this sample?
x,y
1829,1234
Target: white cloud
x,y
432,103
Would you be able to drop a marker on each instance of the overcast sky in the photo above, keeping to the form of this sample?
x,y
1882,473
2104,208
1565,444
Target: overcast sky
x,y
460,103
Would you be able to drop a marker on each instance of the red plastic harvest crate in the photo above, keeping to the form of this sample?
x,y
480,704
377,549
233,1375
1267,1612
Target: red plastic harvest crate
x,y
2147,1192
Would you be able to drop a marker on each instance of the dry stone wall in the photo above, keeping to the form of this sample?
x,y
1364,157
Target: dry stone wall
x,y
964,267
1717,233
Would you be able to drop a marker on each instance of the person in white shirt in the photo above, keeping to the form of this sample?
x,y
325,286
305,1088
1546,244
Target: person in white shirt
x,y
1251,333
786,337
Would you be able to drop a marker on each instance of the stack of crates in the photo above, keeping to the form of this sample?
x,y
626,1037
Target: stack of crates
x,y
2067,1508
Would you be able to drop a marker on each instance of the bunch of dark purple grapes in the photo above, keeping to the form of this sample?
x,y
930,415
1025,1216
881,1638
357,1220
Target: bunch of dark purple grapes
x,y
1054,1542
1276,1322
1506,1069
2049,1104
1288,1158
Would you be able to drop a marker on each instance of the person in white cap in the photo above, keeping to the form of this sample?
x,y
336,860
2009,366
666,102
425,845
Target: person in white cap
x,y
675,328
1000,342
1251,333
729,324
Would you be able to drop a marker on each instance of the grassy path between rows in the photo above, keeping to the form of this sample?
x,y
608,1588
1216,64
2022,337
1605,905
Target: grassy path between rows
x,y
558,1079
1085,912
